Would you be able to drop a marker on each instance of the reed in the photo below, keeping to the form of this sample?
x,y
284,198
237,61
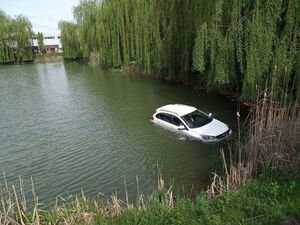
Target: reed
x,y
272,135
13,208
160,208
72,210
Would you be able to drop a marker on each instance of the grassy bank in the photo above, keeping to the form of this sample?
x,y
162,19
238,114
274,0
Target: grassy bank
x,y
50,57
259,202
265,200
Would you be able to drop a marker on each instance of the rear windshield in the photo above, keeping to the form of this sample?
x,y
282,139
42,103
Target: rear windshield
x,y
196,119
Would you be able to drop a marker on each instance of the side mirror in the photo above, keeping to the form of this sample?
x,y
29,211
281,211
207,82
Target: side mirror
x,y
181,127
210,114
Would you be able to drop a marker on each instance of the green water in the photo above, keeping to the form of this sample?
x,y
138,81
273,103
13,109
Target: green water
x,y
73,126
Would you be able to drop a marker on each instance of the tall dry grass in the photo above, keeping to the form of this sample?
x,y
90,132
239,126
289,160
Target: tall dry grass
x,y
272,142
274,135
14,208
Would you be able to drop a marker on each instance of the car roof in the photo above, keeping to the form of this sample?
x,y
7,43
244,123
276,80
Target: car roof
x,y
178,109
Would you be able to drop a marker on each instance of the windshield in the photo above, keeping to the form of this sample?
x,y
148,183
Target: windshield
x,y
196,119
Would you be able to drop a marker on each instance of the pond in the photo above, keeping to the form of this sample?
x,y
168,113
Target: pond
x,y
74,127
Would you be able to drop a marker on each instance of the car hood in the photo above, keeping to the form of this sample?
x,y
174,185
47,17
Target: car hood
x,y
214,128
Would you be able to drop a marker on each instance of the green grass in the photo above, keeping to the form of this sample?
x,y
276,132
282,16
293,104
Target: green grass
x,y
257,203
260,201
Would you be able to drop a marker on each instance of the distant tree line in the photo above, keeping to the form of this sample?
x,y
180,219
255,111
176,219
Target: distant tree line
x,y
235,45
15,39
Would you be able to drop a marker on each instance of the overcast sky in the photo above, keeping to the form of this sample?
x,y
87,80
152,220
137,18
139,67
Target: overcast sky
x,y
43,14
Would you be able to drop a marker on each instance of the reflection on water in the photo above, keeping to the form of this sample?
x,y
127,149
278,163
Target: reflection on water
x,y
72,126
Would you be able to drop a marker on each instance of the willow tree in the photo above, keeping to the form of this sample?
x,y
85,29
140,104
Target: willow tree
x,y
15,39
22,35
70,40
249,46
141,31
231,45
85,16
6,55
214,50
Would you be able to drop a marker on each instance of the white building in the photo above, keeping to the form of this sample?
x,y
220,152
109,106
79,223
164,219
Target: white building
x,y
52,43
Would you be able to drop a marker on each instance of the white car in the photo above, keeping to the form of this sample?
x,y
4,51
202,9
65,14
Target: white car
x,y
191,121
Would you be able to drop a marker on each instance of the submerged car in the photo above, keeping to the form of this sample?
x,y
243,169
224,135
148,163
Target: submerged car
x,y
192,122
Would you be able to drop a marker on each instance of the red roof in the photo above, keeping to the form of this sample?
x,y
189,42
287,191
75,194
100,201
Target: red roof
x,y
51,46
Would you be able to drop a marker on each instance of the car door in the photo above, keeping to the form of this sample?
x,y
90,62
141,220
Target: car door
x,y
178,124
166,120
169,120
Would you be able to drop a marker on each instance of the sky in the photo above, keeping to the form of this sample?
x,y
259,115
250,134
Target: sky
x,y
43,14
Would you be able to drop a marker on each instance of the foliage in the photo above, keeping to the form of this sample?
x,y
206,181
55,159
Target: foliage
x,y
70,40
249,46
231,45
40,40
15,39
156,35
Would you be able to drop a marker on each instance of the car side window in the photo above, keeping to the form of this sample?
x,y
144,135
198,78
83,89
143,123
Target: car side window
x,y
165,117
176,121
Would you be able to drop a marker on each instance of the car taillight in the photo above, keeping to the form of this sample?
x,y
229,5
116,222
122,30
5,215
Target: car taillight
x,y
151,117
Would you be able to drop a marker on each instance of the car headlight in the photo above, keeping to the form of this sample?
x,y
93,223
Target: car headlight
x,y
208,137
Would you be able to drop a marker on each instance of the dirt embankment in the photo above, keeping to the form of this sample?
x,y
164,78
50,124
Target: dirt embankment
x,y
48,58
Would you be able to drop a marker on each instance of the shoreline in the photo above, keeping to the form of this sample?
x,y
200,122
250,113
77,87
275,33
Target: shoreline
x,y
197,85
133,70
254,202
48,58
